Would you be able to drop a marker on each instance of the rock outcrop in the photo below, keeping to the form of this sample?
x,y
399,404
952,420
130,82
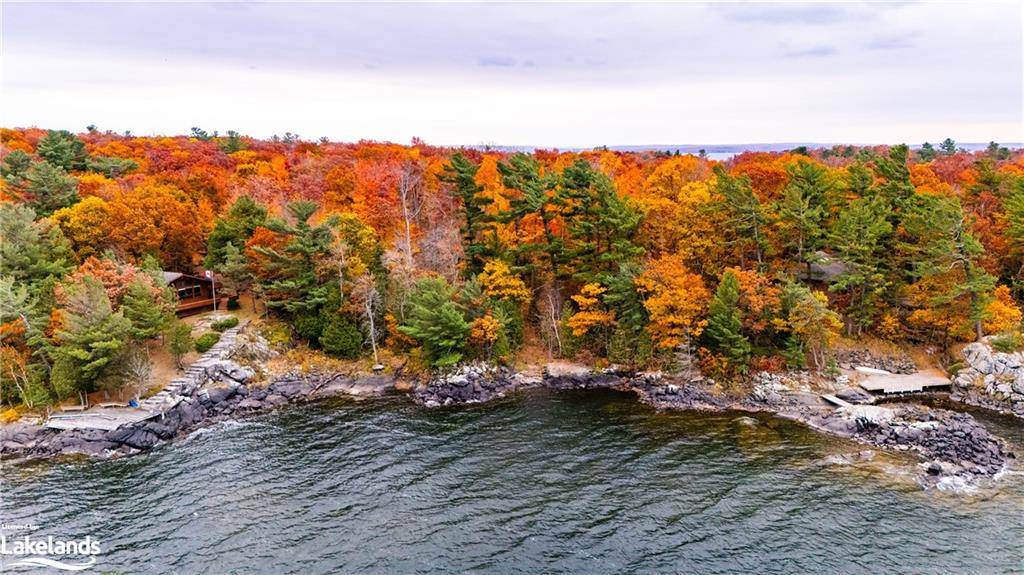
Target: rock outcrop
x,y
991,379
470,383
947,442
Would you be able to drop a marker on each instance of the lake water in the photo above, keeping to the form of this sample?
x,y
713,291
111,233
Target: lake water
x,y
544,482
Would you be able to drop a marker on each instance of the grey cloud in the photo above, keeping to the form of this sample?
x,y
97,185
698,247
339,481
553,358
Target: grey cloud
x,y
771,13
812,52
497,61
890,43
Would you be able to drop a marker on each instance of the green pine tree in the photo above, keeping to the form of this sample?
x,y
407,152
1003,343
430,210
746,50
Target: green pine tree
x,y
92,341
536,197
31,252
724,332
179,340
602,225
460,172
860,238
943,244
49,188
63,149
802,209
234,227
294,284
149,312
437,322
744,211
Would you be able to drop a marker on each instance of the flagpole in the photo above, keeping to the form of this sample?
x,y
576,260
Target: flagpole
x,y
213,284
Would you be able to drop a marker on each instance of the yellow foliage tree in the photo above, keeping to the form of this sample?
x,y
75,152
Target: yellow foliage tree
x,y
484,332
676,300
811,320
1002,313
592,314
500,283
85,225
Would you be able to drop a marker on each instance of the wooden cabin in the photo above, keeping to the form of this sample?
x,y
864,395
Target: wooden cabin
x,y
195,293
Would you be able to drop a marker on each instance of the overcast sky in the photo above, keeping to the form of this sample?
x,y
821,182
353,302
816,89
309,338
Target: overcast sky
x,y
523,74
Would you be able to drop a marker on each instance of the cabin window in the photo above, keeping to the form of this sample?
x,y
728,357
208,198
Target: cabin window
x,y
189,292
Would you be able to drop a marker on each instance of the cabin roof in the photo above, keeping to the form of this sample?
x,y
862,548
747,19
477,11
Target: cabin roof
x,y
171,277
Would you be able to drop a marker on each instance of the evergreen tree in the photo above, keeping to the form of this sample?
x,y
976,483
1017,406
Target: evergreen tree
x,y
234,227
945,246
536,197
293,283
927,152
31,251
858,183
724,331
859,238
601,224
895,186
149,311
232,143
63,149
437,322
49,188
15,168
179,340
1014,210
460,172
997,152
341,336
802,209
234,272
948,147
92,340
744,211
111,167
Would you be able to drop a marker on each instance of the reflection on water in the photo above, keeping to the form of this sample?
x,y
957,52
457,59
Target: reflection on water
x,y
540,483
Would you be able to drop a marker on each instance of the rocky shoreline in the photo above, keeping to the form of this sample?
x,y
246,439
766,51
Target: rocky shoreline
x,y
991,379
948,444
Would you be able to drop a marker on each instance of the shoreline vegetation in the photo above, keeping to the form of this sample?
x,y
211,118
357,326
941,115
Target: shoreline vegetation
x,y
752,283
952,448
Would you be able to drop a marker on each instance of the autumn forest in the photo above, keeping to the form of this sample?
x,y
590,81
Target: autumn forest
x,y
646,259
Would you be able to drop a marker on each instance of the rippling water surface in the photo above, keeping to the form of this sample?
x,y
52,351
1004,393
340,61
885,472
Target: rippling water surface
x,y
544,482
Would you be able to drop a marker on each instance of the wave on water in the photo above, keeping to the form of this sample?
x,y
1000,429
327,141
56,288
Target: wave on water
x,y
956,484
220,427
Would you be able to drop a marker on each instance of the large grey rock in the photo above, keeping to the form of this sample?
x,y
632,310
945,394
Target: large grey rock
x,y
229,371
855,395
136,437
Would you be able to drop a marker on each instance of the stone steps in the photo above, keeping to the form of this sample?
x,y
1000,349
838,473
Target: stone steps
x,y
195,375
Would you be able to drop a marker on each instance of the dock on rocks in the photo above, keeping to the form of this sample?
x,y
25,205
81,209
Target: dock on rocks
x,y
109,419
893,383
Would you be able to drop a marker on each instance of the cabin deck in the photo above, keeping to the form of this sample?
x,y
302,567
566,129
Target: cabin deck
x,y
193,305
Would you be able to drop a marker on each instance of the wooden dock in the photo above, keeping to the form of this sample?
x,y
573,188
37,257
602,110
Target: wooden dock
x,y
107,419
893,383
